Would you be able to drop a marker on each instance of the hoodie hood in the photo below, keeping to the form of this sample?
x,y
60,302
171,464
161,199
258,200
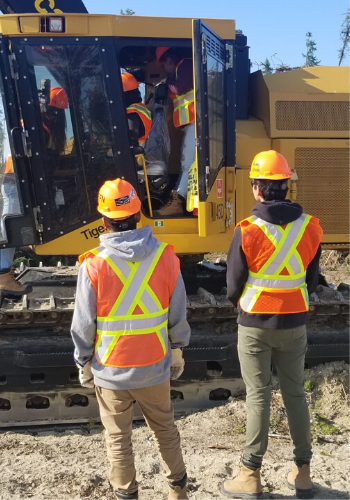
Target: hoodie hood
x,y
278,212
134,245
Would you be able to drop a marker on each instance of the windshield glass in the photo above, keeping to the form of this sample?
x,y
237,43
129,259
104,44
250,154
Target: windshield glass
x,y
76,131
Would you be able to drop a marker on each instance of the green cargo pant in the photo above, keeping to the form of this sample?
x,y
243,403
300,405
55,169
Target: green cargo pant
x,y
287,348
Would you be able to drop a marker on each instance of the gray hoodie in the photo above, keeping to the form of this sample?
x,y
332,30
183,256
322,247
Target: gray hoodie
x,y
133,246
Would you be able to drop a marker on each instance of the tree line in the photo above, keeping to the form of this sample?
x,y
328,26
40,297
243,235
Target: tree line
x,y
311,59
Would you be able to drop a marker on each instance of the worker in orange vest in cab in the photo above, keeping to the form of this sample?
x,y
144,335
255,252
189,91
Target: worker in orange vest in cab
x,y
129,327
139,117
272,267
11,206
54,119
180,85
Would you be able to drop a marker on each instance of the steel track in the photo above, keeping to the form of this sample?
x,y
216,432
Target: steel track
x,y
39,381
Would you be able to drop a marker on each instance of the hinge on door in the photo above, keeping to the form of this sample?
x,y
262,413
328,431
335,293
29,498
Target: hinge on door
x,y
229,55
38,219
204,54
229,213
13,66
207,174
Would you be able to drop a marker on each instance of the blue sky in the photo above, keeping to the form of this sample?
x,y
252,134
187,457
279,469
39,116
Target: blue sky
x,y
272,26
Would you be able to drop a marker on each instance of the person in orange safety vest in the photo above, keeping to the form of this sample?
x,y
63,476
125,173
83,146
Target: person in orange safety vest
x,y
139,117
54,119
180,85
272,267
129,327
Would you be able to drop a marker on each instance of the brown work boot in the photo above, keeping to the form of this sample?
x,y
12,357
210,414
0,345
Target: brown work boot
x,y
174,206
178,489
9,285
246,485
176,492
300,480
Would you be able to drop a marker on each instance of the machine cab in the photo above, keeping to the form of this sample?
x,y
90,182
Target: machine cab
x,y
67,129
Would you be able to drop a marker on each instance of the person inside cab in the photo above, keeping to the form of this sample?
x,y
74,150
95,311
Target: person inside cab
x,y
139,117
54,119
180,86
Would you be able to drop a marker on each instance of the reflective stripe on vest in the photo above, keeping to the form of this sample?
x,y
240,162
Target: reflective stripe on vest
x,y
269,277
50,143
183,106
145,116
136,291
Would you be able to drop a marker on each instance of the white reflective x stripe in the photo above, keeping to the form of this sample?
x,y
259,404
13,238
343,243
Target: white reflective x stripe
x,y
121,264
273,232
276,283
140,322
278,260
138,283
149,302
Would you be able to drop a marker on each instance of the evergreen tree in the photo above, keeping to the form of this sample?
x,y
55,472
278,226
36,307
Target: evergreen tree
x,y
310,56
345,37
267,69
128,12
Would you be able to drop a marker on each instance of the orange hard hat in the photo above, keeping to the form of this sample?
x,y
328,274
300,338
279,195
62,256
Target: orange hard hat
x,y
118,200
270,165
58,98
129,82
159,52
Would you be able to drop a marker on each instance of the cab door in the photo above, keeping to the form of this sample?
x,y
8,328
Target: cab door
x,y
19,224
214,110
71,100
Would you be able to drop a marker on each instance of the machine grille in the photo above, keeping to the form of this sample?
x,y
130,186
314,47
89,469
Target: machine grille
x,y
313,116
323,186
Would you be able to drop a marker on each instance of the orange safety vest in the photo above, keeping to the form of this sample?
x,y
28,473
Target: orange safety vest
x,y
145,116
183,105
277,258
132,305
9,166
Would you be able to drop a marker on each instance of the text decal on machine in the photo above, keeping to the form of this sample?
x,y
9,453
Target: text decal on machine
x,y
94,232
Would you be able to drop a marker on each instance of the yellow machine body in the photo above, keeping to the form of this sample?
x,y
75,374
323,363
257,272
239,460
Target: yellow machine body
x,y
303,114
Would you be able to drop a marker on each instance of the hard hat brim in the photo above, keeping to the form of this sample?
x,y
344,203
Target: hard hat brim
x,y
274,177
119,214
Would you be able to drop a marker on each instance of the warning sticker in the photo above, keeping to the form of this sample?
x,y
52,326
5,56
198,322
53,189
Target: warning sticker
x,y
219,188
158,223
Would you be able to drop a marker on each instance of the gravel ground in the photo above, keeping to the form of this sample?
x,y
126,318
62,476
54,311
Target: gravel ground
x,y
72,464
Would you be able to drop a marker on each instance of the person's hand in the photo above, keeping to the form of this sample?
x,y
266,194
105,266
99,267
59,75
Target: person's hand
x,y
178,364
86,377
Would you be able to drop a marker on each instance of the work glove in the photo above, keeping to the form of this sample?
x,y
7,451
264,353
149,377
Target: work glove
x,y
86,377
178,364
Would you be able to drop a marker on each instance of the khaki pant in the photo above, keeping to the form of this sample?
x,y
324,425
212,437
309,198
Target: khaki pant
x,y
116,409
287,348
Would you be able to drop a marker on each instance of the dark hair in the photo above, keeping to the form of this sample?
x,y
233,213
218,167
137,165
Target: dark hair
x,y
118,226
132,97
272,190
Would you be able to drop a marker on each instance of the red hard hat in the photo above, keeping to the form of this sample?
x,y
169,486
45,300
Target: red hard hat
x,y
270,165
159,52
118,200
58,98
129,82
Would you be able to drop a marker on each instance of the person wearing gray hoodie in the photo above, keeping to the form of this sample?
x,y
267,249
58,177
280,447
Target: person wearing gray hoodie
x,y
122,350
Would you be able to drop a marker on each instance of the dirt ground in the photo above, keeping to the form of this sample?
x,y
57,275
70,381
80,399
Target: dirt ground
x,y
72,464
49,464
